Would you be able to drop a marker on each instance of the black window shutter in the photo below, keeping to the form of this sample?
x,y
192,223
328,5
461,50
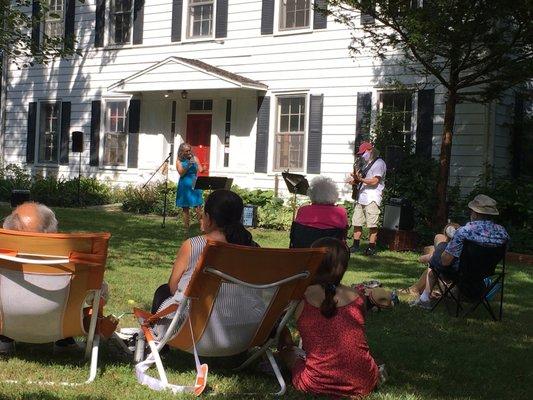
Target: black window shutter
x,y
366,19
65,133
35,24
70,15
100,24
96,109
314,139
261,142
134,119
424,124
320,19
267,17
30,139
138,21
364,108
221,30
177,9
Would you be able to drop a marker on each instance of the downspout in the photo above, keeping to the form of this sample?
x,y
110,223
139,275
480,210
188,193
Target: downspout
x,y
3,108
488,155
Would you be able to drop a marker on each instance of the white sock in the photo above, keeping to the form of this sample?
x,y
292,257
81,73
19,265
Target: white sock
x,y
424,296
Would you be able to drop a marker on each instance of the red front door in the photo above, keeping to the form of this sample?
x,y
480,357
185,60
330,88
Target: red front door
x,y
199,137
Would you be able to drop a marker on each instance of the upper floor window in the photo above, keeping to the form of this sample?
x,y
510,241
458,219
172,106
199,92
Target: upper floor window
x,y
49,132
54,19
294,14
115,136
397,111
120,21
200,18
290,133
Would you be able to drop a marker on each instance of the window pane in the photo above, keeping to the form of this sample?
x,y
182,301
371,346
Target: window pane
x,y
294,14
49,132
284,103
284,123
200,18
289,151
295,122
115,149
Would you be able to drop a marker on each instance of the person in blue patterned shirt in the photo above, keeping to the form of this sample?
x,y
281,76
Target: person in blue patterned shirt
x,y
481,229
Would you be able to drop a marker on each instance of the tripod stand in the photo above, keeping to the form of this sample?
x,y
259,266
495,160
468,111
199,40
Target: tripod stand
x,y
165,162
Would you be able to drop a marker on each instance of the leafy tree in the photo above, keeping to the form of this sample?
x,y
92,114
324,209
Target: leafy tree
x,y
18,44
475,49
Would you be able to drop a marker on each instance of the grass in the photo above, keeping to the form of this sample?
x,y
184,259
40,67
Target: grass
x,y
428,355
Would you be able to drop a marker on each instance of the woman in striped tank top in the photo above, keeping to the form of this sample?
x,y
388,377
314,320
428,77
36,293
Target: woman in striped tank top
x,y
221,221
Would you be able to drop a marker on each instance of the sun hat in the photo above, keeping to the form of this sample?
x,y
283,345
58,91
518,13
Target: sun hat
x,y
483,204
364,147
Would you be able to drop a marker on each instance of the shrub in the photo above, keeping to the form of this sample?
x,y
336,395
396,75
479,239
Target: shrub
x,y
64,192
12,177
150,199
275,215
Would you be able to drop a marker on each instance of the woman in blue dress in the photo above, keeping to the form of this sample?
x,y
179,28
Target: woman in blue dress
x,y
188,167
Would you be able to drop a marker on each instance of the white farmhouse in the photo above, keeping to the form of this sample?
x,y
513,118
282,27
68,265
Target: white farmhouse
x,y
256,86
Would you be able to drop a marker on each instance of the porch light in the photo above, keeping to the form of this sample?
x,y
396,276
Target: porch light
x,y
168,93
184,94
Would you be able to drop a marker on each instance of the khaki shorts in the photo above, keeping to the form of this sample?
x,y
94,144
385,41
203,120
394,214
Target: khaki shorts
x,y
369,214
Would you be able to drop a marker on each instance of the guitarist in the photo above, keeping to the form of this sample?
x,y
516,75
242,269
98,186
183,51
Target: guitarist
x,y
368,188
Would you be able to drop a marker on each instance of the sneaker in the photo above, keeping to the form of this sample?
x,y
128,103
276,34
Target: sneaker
x,y
7,346
370,251
426,305
67,345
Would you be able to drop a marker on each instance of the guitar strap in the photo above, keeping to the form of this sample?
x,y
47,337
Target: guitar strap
x,y
363,174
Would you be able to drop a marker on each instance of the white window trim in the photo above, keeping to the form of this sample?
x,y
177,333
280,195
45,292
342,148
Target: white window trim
x,y
107,28
43,23
101,148
295,31
274,121
378,106
37,162
185,25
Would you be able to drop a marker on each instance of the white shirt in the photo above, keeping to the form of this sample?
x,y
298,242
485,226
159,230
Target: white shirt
x,y
370,193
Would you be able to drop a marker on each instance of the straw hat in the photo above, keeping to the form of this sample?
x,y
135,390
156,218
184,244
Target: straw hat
x,y
483,204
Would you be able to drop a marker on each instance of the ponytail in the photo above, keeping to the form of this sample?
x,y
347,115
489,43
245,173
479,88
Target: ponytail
x,y
328,308
236,233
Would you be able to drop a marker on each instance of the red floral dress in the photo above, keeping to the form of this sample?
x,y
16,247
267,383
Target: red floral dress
x,y
338,360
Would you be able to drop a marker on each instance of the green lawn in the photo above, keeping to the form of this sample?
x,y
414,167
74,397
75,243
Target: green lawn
x,y
428,356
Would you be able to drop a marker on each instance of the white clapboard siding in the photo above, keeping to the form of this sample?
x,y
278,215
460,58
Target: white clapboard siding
x,y
315,62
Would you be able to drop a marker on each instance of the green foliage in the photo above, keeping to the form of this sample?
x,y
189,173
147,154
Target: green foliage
x,y
16,35
256,197
388,131
515,204
12,177
60,192
150,199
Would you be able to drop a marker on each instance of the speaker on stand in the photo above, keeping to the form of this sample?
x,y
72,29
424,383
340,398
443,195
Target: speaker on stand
x,y
77,147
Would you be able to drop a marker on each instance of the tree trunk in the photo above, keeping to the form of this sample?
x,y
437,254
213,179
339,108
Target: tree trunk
x,y
441,215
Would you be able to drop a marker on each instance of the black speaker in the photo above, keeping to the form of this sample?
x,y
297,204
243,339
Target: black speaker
x,y
393,157
399,215
77,142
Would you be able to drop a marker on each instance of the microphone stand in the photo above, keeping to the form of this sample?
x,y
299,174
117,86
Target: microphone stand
x,y
166,186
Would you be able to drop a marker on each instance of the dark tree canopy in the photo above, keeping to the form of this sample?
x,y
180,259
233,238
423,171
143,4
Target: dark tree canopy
x,y
475,49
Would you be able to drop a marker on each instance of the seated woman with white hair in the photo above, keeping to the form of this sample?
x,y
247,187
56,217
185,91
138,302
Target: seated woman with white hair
x,y
322,213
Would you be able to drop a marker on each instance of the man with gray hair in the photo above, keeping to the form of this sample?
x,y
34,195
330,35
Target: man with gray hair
x,y
32,217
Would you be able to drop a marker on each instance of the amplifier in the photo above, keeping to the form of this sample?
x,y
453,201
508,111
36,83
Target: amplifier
x,y
398,215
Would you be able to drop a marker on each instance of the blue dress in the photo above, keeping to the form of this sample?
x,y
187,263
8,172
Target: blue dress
x,y
186,196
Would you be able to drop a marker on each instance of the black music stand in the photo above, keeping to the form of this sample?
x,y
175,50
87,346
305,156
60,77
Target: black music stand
x,y
296,184
213,182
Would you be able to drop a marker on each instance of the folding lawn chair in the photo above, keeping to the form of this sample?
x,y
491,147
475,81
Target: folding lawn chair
x,y
303,236
239,298
477,279
44,281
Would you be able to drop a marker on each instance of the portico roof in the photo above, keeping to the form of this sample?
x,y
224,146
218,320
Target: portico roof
x,y
178,73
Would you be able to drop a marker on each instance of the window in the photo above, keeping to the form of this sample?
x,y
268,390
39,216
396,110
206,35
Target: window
x,y
49,132
120,21
201,105
54,19
115,137
397,111
200,18
294,14
290,132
